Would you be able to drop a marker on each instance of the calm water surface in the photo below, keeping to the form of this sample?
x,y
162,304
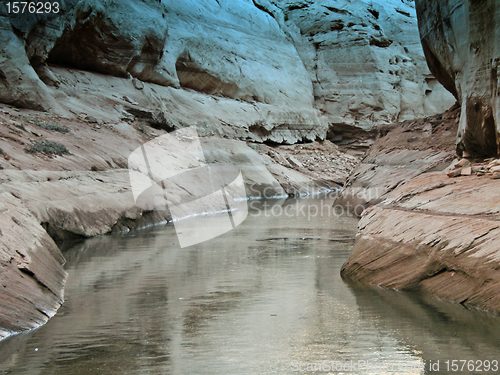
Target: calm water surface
x,y
265,298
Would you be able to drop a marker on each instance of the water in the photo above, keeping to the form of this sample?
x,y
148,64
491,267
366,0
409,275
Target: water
x,y
265,298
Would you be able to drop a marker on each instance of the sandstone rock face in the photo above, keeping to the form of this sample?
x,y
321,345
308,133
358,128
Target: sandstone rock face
x,y
31,269
275,70
425,227
435,234
460,41
232,50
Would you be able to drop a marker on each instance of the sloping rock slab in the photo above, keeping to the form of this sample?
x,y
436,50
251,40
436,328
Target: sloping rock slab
x,y
437,235
400,153
31,269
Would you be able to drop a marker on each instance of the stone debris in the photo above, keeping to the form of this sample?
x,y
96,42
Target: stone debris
x,y
488,167
137,84
321,161
467,171
493,163
129,100
454,173
463,163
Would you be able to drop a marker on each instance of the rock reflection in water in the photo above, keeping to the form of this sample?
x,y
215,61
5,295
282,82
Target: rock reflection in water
x,y
438,330
252,301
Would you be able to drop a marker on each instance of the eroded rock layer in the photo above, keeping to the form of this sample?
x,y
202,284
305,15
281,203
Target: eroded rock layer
x,y
31,269
429,223
365,61
401,152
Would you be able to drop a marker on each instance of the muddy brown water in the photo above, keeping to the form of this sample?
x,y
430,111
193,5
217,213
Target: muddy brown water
x,y
265,298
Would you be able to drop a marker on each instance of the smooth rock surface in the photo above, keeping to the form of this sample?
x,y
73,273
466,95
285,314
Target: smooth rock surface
x,y
231,49
365,60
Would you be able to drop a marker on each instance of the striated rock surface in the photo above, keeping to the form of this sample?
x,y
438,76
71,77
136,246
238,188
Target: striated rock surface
x,y
401,152
267,70
460,41
31,269
430,224
437,235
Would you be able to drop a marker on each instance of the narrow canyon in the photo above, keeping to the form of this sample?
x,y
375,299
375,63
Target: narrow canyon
x,y
393,104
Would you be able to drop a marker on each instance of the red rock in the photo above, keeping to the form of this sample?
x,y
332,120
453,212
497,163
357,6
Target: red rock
x,y
421,229
404,248
463,163
454,173
392,161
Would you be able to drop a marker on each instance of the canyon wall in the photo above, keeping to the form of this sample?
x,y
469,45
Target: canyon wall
x,y
460,39
365,60
277,70
433,224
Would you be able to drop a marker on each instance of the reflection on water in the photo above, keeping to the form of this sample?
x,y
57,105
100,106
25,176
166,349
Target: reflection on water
x,y
262,299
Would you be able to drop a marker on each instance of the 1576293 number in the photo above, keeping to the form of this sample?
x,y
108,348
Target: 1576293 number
x,y
23,7
457,365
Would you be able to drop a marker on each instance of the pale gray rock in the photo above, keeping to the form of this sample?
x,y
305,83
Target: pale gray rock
x,y
365,60
283,71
